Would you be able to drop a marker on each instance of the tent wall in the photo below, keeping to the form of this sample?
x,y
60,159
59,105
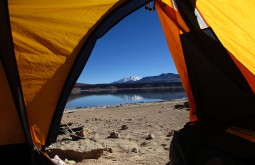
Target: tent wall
x,y
52,43
47,37
234,23
222,94
10,127
53,40
173,26
233,27
11,85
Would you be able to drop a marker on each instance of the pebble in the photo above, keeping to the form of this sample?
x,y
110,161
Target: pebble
x,y
186,104
124,127
135,150
83,133
143,144
114,135
179,106
150,136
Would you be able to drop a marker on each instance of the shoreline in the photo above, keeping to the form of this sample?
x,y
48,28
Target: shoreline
x,y
142,133
68,110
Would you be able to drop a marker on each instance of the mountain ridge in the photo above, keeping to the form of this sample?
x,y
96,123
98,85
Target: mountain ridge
x,y
164,77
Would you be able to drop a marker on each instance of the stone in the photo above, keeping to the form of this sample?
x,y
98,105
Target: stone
x,y
186,104
178,106
114,135
83,133
135,150
76,155
124,127
163,145
143,144
57,161
109,150
150,136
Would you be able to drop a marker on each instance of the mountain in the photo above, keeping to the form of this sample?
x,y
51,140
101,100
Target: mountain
x,y
130,79
165,77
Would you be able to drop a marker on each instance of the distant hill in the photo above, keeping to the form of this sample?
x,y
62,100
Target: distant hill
x,y
165,77
163,81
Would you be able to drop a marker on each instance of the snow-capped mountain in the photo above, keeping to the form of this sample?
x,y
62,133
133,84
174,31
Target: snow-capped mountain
x,y
165,77
129,79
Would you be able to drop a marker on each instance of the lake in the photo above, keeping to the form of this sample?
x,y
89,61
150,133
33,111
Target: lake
x,y
109,98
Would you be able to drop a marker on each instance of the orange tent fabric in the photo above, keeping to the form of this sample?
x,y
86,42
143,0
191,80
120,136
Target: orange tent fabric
x,y
173,26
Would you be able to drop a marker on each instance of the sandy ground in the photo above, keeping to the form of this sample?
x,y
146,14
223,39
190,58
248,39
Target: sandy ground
x,y
130,147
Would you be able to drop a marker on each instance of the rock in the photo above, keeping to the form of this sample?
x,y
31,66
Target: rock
x,y
150,136
114,135
124,127
109,150
57,161
93,139
179,106
186,104
76,155
143,144
83,133
171,133
135,150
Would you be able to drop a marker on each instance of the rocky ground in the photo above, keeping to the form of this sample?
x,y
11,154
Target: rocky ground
x,y
128,134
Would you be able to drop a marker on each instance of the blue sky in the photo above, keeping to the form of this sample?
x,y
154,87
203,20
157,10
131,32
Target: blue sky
x,y
134,47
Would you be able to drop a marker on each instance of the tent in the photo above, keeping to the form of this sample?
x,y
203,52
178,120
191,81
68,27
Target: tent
x,y
45,44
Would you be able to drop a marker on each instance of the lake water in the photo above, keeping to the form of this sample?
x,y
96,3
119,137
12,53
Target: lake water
x,y
109,98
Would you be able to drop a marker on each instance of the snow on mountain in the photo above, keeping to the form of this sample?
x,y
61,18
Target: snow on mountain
x,y
129,79
165,77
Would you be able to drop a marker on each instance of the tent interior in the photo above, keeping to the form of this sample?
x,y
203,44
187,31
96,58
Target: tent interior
x,y
45,45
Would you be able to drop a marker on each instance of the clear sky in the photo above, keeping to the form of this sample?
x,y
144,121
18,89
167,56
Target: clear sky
x,y
136,46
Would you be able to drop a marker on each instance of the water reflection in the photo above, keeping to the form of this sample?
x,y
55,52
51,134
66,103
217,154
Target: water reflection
x,y
104,98
132,97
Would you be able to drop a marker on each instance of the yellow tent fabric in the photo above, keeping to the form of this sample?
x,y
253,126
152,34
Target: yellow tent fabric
x,y
11,130
234,24
47,36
